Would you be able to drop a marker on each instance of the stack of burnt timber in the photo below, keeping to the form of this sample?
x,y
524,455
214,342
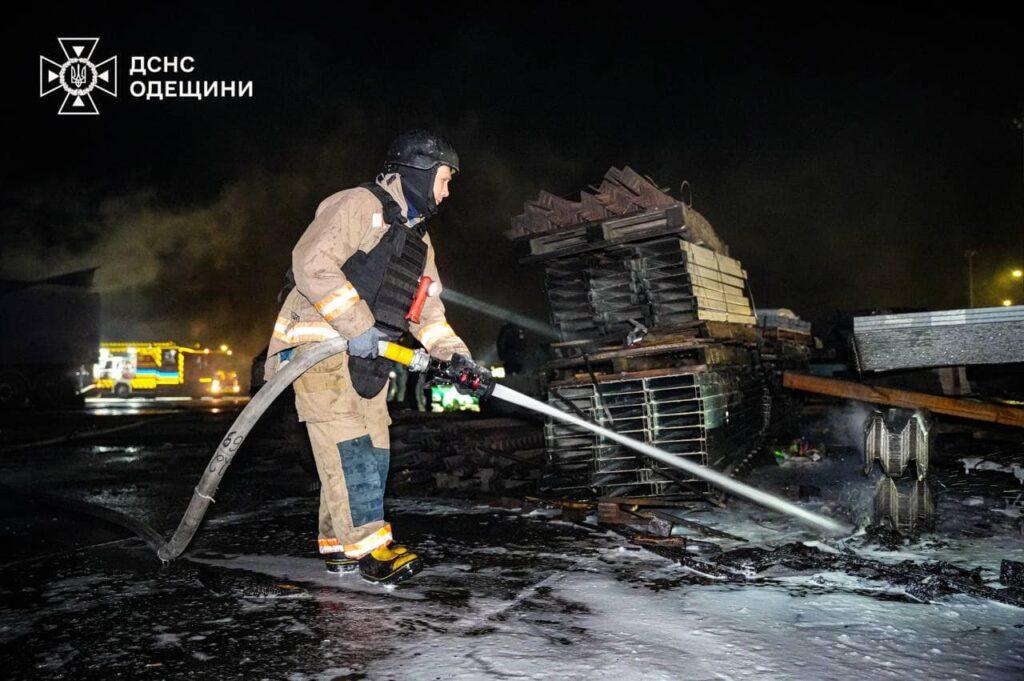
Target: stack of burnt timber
x,y
658,339
630,256
661,282
785,338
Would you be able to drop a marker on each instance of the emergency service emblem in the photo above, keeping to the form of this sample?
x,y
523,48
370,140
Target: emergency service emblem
x,y
78,77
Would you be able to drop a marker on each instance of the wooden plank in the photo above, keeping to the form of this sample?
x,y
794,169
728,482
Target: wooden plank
x,y
950,406
588,236
731,266
727,331
729,297
660,542
643,349
703,276
703,529
610,513
630,365
709,315
700,255
647,501
643,225
584,379
709,258
562,239
712,316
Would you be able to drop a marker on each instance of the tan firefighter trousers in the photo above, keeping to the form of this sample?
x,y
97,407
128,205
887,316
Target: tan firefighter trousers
x,y
349,435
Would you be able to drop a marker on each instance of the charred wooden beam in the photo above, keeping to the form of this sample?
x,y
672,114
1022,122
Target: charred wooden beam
x,y
950,406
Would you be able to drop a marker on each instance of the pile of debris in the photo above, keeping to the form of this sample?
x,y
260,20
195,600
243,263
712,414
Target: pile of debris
x,y
659,339
460,454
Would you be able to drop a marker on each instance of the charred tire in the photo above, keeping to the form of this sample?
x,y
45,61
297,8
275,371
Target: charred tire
x,y
122,390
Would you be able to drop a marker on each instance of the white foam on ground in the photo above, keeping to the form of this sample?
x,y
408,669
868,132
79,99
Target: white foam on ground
x,y
721,632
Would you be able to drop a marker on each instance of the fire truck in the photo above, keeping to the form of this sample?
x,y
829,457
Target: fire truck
x,y
164,368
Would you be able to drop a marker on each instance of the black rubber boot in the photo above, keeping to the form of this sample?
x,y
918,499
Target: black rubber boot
x,y
389,565
341,564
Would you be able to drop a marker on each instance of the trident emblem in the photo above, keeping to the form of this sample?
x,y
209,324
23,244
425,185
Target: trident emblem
x,y
78,76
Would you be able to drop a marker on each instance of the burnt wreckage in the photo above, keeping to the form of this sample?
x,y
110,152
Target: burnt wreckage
x,y
659,340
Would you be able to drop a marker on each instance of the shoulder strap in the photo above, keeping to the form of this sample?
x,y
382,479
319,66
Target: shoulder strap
x,y
392,215
392,211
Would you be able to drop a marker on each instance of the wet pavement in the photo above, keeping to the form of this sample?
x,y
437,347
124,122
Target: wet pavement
x,y
508,593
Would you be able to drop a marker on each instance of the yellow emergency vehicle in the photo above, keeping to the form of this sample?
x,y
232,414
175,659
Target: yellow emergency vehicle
x,y
164,368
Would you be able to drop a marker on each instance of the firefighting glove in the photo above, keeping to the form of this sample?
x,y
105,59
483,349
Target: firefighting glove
x,y
366,343
469,378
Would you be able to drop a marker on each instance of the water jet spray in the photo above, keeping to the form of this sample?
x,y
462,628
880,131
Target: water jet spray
x,y
462,372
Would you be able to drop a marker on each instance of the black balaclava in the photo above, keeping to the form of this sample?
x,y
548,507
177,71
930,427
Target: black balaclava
x,y
418,187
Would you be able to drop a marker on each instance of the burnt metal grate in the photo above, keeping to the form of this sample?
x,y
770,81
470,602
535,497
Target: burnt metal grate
x,y
706,416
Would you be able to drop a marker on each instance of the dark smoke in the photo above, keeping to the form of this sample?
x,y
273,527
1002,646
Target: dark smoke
x,y
848,165
211,272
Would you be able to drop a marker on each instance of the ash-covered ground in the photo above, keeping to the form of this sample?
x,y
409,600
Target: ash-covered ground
x,y
510,592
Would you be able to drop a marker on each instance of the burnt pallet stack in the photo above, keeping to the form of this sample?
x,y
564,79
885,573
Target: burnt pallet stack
x,y
658,336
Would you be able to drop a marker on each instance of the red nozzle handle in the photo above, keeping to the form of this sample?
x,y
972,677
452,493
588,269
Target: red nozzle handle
x,y
418,300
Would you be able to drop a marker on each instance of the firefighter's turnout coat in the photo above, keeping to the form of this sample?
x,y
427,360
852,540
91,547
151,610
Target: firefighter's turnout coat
x,y
349,432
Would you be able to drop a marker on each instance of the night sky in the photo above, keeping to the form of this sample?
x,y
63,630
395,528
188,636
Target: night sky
x,y
848,159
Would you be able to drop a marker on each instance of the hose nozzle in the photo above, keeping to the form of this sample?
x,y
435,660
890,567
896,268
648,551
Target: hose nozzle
x,y
468,377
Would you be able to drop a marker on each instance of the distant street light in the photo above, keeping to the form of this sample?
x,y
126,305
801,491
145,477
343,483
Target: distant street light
x,y
1017,274
1007,302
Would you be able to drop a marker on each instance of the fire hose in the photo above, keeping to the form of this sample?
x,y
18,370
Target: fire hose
x,y
467,377
202,496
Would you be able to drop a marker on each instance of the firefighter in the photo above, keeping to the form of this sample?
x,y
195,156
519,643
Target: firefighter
x,y
355,271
